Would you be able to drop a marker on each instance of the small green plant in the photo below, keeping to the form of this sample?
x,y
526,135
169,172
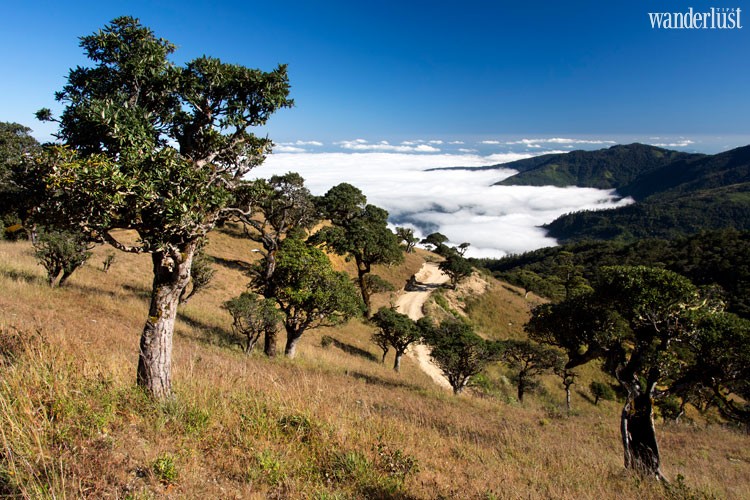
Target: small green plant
x,y
165,469
600,390
270,468
108,261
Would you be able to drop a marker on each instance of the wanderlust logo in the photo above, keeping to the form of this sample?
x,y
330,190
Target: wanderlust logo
x,y
716,18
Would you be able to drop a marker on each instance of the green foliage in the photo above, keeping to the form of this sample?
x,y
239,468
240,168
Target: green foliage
x,y
458,351
529,360
709,258
308,291
396,330
61,253
359,231
253,316
406,237
437,241
601,390
18,186
125,115
272,210
165,469
109,259
456,267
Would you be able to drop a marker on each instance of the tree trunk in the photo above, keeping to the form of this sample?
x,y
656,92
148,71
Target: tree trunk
x,y
567,398
639,436
397,361
292,337
269,344
385,353
521,387
362,280
171,275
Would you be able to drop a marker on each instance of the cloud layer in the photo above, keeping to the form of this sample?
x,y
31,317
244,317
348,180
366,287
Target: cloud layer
x,y
462,204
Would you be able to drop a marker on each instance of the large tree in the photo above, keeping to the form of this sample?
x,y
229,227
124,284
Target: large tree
x,y
156,148
19,187
655,331
309,293
359,231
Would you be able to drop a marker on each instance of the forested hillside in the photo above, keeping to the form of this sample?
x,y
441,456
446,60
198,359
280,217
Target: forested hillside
x,y
609,168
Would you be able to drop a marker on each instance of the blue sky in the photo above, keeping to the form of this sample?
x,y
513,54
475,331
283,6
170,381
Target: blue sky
x,y
478,72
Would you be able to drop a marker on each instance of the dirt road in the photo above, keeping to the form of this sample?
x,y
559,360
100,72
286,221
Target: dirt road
x,y
410,303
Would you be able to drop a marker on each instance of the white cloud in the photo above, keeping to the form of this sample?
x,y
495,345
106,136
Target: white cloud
x,y
461,204
284,148
385,146
533,143
466,150
490,142
456,142
683,143
435,141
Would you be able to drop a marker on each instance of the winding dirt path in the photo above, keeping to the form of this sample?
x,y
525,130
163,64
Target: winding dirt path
x,y
410,303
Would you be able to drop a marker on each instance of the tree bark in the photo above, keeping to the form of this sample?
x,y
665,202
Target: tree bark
x,y
639,435
397,361
292,338
362,280
269,344
171,275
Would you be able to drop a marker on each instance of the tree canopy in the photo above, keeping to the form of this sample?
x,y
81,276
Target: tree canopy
x,y
359,231
308,291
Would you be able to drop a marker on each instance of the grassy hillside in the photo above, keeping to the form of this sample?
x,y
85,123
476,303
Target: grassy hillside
x,y
334,423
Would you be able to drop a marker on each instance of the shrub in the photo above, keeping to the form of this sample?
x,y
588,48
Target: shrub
x,y
600,390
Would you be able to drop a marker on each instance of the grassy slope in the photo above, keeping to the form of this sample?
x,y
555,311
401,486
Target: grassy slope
x,y
331,424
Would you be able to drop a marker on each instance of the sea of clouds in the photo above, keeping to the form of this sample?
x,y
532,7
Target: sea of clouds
x,y
462,204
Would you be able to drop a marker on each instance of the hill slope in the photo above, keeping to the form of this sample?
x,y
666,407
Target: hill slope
x,y
334,423
609,168
680,198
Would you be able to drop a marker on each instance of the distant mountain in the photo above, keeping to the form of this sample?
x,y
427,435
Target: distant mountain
x,y
693,174
610,168
686,196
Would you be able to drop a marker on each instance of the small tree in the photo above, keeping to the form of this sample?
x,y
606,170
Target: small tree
x,y
458,351
407,238
437,242
600,390
396,330
456,267
308,291
530,360
360,232
271,210
253,316
61,253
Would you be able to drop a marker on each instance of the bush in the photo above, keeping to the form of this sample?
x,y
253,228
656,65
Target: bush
x,y
60,252
600,390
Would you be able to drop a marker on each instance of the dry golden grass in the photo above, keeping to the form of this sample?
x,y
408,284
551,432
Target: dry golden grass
x,y
334,423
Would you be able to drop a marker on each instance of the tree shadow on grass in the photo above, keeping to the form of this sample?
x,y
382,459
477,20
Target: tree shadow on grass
x,y
349,349
209,334
26,276
234,264
383,382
